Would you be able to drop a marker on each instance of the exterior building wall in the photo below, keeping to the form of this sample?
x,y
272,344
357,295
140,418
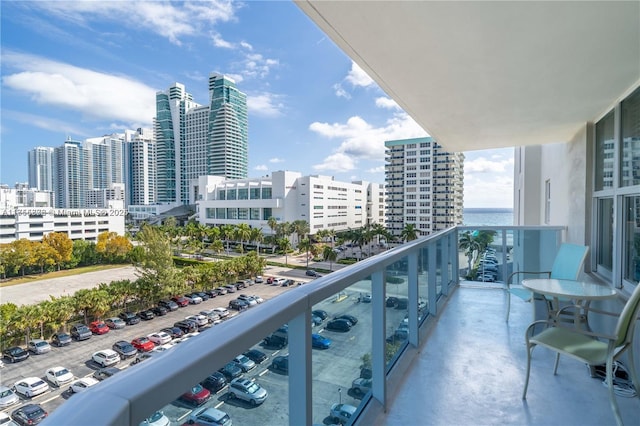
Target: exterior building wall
x,y
71,175
40,163
140,167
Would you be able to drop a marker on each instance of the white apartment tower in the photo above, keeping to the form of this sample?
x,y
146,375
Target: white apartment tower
x,y
71,175
424,186
40,163
140,167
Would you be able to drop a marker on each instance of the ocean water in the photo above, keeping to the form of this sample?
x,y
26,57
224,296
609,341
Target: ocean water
x,y
487,217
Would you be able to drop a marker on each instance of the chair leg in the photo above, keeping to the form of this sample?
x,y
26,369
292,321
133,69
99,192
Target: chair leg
x,y
634,373
612,396
508,304
555,365
526,380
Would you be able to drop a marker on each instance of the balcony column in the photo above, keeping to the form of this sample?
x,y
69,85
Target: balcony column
x,y
432,279
378,343
300,391
413,297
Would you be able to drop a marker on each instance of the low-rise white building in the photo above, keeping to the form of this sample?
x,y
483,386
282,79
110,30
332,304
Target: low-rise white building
x,y
288,196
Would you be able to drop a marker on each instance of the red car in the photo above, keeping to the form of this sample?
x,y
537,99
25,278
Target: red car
x,y
197,396
270,280
143,344
181,301
98,327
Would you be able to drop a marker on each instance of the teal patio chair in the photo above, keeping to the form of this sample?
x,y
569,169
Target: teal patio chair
x,y
589,347
567,265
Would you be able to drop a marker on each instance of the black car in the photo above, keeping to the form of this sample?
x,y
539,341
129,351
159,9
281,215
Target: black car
x,y
212,293
255,356
280,363
231,371
338,325
174,332
169,304
239,305
27,415
287,283
203,295
320,313
159,311
397,302
81,332
312,273
353,320
124,349
146,315
105,373
15,354
214,382
129,318
186,326
61,339
275,341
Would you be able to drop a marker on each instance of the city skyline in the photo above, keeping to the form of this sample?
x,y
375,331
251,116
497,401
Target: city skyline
x,y
82,70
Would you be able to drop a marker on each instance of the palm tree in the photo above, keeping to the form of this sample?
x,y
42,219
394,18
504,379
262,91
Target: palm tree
x,y
284,245
272,222
242,233
409,232
330,255
300,228
226,233
470,245
306,245
256,237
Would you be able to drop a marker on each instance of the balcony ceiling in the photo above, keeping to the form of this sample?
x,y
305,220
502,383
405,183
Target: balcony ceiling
x,y
478,75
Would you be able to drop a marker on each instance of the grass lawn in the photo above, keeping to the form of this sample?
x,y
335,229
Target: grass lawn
x,y
57,274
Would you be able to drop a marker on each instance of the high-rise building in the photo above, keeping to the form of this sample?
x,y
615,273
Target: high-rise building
x,y
140,167
71,175
106,161
195,140
40,163
424,186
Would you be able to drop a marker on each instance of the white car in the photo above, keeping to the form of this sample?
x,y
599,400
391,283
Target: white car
x,y
7,398
83,384
222,312
213,316
160,338
58,375
199,319
258,299
259,280
193,299
157,419
249,299
106,357
31,386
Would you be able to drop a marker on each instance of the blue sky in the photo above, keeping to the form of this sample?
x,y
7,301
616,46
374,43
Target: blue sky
x,y
86,69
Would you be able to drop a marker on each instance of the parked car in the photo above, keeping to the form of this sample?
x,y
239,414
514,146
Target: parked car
x,y
181,301
160,338
58,376
174,332
197,395
212,316
361,386
209,417
280,363
115,323
353,320
231,288
222,290
240,285
61,339
259,280
270,280
193,299
99,327
248,299
124,349
105,373
143,344
245,363
342,413
223,312
214,382
397,302
257,298
231,371
38,346
7,397
312,273
199,319
319,341
159,311
338,325
156,419
83,384
15,354
169,304
320,313
186,326
31,386
287,283
212,293
80,332
129,318
255,355
247,390
315,320
146,315
366,298
28,415
238,305
203,295
106,357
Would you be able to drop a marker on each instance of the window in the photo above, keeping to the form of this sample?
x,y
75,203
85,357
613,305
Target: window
x,y
266,193
231,194
267,213
222,195
631,249
604,152
630,156
254,193
243,194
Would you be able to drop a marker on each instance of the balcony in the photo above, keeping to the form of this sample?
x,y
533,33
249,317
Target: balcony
x,y
437,348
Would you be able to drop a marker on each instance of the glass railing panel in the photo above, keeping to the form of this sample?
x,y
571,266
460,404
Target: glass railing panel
x,y
341,351
439,266
397,308
423,283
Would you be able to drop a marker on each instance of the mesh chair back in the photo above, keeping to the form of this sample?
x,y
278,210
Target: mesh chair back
x,y
569,261
627,319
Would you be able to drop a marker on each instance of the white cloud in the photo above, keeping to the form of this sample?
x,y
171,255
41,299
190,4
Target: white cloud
x,y
337,162
276,160
45,123
482,165
340,92
379,169
94,94
357,77
496,191
218,41
261,168
265,104
387,103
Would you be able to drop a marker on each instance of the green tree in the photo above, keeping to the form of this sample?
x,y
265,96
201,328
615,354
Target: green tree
x,y
330,255
62,244
242,233
300,228
306,245
156,268
44,255
409,232
470,245
257,237
272,222
284,245
227,233
112,247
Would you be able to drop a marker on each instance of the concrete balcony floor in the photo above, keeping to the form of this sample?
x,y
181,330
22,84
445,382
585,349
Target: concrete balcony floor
x,y
471,371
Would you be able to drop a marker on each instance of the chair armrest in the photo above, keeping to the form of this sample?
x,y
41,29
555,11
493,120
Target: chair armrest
x,y
548,273
552,323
